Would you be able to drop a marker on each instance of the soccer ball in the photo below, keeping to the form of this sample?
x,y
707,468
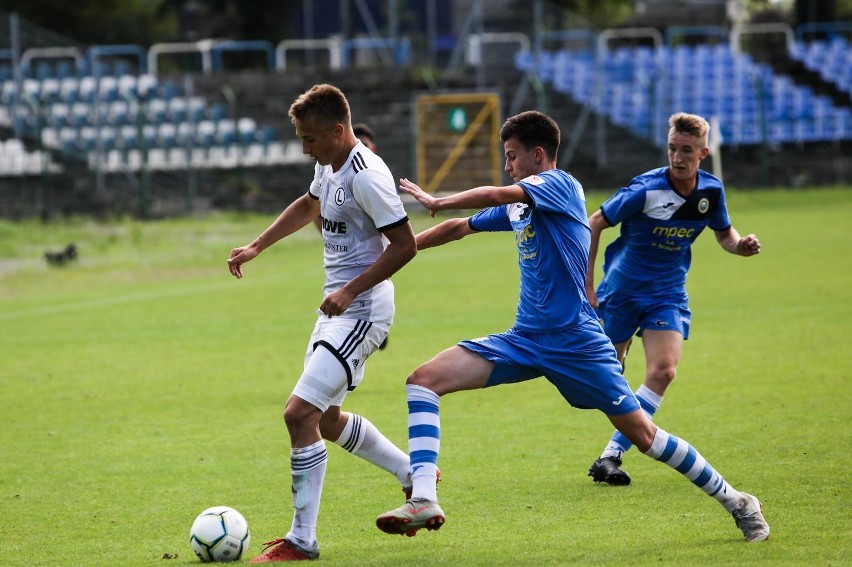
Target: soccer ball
x,y
219,534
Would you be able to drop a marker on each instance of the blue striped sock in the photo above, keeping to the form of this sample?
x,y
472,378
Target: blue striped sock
x,y
424,440
685,459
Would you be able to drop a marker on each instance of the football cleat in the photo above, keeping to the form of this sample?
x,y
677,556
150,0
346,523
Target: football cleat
x,y
608,470
412,516
750,520
286,550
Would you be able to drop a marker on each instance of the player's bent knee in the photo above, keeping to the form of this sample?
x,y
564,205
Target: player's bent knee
x,y
637,427
420,377
291,417
298,412
659,378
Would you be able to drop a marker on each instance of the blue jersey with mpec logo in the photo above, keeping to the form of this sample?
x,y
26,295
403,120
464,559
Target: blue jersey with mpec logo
x,y
553,237
658,226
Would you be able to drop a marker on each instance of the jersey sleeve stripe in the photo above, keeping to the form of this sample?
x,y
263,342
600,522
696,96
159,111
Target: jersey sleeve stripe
x,y
400,222
358,162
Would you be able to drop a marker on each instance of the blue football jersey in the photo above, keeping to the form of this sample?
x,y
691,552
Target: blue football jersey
x,y
652,254
552,236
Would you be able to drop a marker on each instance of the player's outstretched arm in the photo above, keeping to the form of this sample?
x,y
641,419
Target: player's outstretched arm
x,y
300,212
447,231
476,198
731,241
597,223
429,202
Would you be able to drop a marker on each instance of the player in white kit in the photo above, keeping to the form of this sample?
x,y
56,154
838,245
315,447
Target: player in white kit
x,y
367,238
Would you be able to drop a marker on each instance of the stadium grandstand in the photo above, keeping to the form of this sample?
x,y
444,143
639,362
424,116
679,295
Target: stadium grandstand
x,y
98,107
173,127
639,87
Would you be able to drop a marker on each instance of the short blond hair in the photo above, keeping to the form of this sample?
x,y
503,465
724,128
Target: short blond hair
x,y
691,125
323,103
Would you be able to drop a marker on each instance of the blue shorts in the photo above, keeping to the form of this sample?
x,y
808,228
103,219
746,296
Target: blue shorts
x,y
580,362
623,315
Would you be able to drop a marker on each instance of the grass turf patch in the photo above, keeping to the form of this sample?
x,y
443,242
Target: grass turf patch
x,y
143,384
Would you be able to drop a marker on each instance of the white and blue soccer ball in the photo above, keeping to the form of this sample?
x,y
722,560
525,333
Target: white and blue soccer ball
x,y
219,534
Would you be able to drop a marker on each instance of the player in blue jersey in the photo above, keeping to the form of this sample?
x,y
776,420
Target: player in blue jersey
x,y
556,332
643,290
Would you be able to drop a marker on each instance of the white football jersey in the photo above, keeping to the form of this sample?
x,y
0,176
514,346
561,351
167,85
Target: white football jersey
x,y
357,203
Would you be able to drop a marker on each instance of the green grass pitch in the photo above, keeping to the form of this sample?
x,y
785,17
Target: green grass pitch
x,y
144,384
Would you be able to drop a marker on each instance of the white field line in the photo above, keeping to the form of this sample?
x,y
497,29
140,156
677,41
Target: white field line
x,y
129,298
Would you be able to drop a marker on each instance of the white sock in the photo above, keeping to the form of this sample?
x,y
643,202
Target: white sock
x,y
363,439
307,469
649,399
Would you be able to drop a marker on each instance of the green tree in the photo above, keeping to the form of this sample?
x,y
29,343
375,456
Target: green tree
x,y
600,14
96,21
232,19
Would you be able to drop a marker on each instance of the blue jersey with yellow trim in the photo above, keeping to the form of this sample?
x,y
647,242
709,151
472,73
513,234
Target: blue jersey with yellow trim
x,y
658,226
552,236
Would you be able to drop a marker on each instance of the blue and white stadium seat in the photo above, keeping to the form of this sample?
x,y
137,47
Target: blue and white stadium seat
x,y
832,59
639,87
80,116
16,160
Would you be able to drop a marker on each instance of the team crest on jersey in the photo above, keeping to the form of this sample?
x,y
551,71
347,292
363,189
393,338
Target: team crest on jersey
x,y
703,205
533,180
519,211
339,196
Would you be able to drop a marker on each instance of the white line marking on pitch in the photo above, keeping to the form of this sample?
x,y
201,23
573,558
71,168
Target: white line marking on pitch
x,y
128,298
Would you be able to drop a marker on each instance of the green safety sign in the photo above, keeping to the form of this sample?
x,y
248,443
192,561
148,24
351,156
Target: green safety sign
x,y
457,119
458,141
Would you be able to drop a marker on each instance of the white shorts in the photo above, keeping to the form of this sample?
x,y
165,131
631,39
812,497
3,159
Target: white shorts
x,y
335,360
